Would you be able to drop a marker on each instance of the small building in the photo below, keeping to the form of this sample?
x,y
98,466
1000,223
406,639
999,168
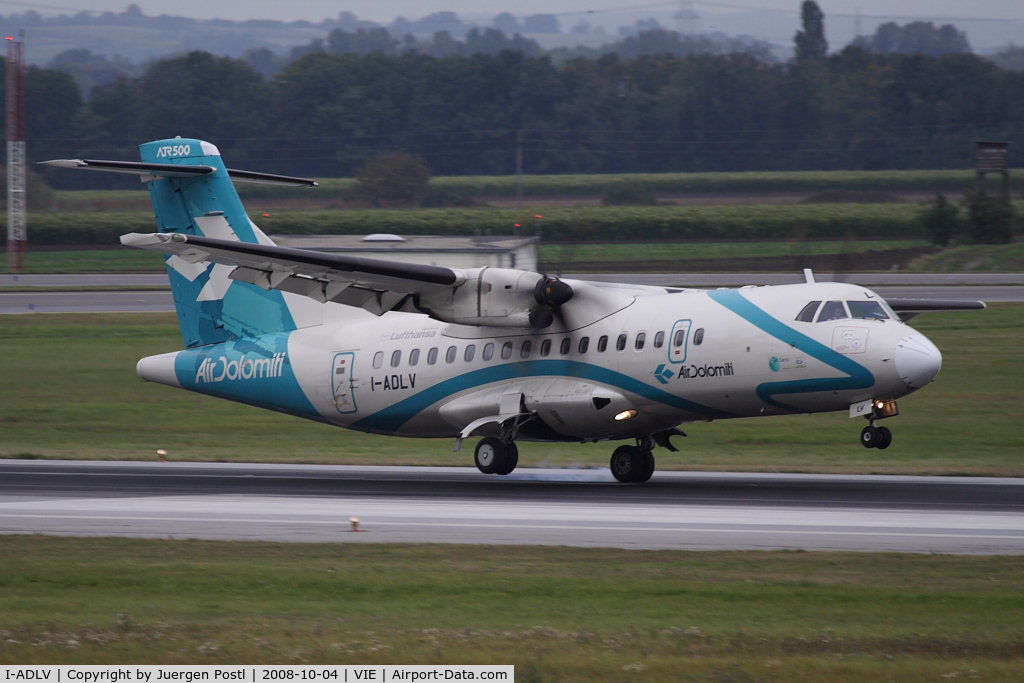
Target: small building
x,y
494,251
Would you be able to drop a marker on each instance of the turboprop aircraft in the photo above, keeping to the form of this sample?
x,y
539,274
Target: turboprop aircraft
x,y
427,351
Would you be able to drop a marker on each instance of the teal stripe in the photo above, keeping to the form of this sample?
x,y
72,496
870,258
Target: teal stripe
x,y
858,377
391,419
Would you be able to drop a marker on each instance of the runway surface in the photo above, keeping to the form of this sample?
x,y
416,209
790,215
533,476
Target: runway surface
x,y
675,510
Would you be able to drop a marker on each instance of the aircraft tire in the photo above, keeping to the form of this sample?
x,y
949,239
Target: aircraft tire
x,y
870,437
489,455
510,459
646,469
631,465
884,437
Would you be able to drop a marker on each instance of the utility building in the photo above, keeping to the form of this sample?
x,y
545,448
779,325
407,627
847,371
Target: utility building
x,y
474,251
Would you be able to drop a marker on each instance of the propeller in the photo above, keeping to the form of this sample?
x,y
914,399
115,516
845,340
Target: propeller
x,y
550,294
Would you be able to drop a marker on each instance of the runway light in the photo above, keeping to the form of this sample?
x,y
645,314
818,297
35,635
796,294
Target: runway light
x,y
625,415
354,522
162,454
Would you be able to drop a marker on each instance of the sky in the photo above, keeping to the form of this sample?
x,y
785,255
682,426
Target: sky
x,y
570,12
990,24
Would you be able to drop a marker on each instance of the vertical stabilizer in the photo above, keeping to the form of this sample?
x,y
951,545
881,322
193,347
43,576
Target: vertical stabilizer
x,y
211,307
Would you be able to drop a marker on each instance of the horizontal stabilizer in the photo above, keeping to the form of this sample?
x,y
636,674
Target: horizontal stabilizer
x,y
151,170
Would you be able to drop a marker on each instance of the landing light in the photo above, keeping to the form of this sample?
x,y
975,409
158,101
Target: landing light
x,y
625,415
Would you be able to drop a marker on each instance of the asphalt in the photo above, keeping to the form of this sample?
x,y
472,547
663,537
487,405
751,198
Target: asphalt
x,y
675,510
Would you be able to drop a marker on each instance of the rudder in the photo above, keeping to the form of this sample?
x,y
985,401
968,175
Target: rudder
x,y
211,307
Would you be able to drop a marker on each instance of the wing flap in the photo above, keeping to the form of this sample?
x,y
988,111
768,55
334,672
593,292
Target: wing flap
x,y
375,285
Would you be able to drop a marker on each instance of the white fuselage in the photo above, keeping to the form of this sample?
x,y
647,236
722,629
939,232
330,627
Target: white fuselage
x,y
655,362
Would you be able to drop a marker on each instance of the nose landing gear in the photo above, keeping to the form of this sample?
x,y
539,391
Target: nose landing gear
x,y
874,410
875,437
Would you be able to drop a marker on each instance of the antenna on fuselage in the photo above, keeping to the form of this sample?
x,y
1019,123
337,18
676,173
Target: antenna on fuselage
x,y
808,276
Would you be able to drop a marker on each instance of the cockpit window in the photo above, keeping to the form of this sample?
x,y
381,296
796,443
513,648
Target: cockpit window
x,y
832,310
868,310
806,314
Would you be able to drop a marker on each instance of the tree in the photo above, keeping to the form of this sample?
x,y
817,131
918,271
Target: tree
x,y
917,37
990,220
810,42
396,179
941,220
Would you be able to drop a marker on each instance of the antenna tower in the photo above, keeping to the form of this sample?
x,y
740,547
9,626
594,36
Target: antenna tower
x,y
16,232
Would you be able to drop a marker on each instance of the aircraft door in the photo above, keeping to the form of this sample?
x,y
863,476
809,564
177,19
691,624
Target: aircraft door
x,y
343,382
679,340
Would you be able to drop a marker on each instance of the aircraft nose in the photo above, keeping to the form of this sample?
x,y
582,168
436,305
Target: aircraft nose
x,y
917,360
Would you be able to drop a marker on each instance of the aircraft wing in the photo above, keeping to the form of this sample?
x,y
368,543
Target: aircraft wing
x,y
376,285
909,308
493,297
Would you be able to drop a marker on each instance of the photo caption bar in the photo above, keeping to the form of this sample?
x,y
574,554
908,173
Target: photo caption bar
x,y
253,673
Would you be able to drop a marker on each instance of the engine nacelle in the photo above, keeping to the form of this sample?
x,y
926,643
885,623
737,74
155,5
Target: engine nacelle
x,y
494,297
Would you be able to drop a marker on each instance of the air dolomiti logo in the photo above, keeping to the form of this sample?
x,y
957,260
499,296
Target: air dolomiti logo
x,y
223,369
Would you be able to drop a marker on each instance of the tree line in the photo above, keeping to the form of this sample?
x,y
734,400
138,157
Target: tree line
x,y
325,114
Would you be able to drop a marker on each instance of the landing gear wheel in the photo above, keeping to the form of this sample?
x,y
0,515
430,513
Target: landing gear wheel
x,y
511,459
884,437
494,456
488,455
871,437
631,464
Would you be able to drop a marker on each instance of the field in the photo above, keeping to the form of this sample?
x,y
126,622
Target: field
x,y
557,614
70,391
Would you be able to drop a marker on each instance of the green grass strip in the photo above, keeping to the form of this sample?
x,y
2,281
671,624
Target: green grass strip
x,y
70,391
555,613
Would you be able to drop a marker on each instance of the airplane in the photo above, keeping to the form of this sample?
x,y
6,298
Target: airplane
x,y
427,351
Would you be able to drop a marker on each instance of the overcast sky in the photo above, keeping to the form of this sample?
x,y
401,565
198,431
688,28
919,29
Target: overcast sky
x,y
570,12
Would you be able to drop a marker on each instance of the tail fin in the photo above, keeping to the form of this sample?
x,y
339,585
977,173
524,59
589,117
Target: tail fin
x,y
192,193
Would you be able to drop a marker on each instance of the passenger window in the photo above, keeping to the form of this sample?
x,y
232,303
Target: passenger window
x,y
565,346
583,345
867,310
396,358
432,355
698,336
545,347
602,343
378,359
806,314
641,339
620,343
470,353
832,310
524,352
488,352
414,357
659,339
506,350
449,355
679,337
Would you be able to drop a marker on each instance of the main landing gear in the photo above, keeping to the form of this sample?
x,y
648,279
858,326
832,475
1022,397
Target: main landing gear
x,y
496,456
632,464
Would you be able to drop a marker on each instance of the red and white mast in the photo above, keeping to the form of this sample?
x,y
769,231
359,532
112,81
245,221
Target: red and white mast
x,y
16,232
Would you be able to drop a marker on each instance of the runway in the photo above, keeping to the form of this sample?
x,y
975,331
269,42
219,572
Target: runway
x,y
675,510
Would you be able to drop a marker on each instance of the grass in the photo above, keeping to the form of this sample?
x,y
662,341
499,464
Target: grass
x,y
949,180
70,391
983,258
618,252
555,613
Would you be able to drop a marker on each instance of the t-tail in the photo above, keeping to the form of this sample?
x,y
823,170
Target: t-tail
x,y
193,194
